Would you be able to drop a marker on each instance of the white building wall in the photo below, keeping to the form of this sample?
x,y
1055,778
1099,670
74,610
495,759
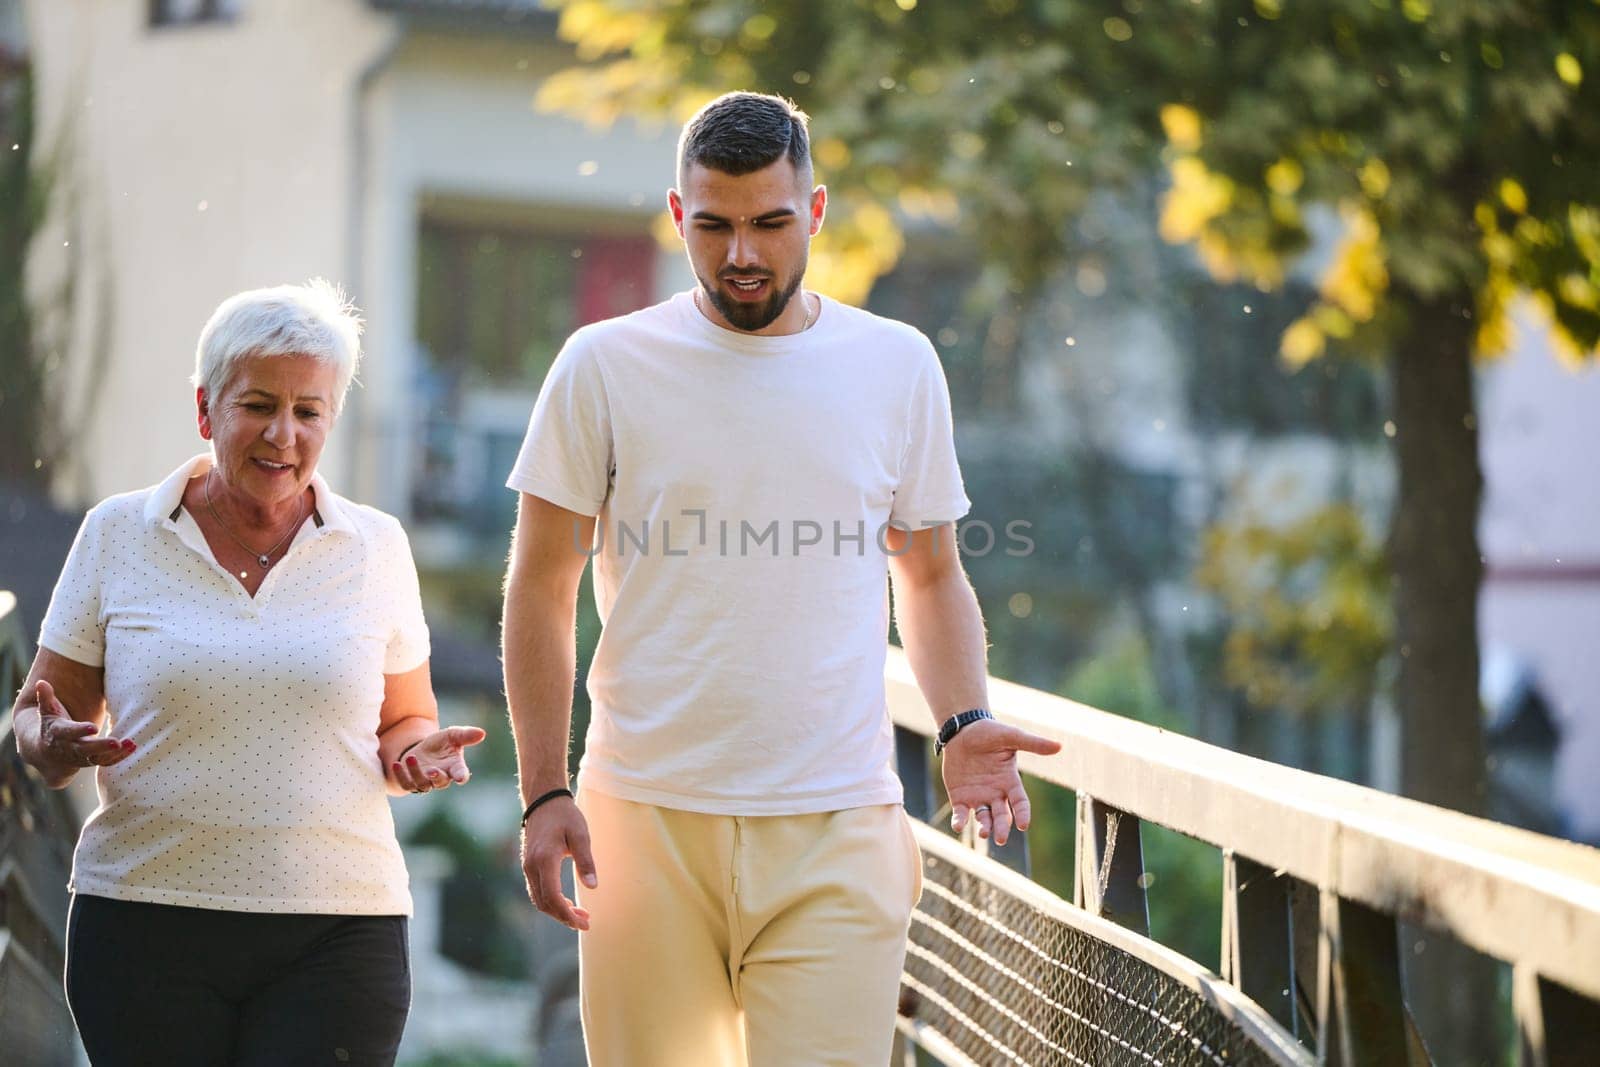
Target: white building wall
x,y
1540,532
197,161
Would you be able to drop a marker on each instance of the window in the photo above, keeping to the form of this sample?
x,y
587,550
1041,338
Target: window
x,y
187,12
495,303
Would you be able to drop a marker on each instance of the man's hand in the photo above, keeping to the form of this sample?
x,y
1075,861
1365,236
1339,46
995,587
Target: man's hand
x,y
981,777
554,832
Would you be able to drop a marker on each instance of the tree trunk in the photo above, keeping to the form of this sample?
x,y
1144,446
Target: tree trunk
x,y
1434,553
1437,569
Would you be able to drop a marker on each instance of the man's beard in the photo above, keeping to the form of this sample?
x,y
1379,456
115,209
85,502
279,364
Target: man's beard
x,y
753,317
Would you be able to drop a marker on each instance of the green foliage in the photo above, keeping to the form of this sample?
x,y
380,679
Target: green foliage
x,y
470,600
1185,875
1308,604
1412,117
482,898
22,387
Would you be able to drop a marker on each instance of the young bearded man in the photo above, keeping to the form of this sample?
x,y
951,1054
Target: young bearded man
x,y
757,459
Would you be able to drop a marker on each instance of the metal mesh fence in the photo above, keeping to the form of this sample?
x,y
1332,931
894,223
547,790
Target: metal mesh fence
x,y
1006,982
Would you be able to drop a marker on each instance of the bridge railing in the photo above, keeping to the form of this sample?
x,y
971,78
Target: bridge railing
x,y
1317,873
37,831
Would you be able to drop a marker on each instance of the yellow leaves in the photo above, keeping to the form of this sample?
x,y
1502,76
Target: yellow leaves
x,y
1513,196
1569,352
1118,29
831,153
597,28
665,233
1285,177
1496,333
1495,330
1354,283
852,252
1374,178
1305,603
906,5
600,95
1189,213
1416,10
1359,275
1583,223
758,29
1182,126
1302,342
1506,253
1569,70
1333,321
1196,198
1579,291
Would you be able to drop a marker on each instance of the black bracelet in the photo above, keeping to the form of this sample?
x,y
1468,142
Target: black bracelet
x,y
408,748
531,808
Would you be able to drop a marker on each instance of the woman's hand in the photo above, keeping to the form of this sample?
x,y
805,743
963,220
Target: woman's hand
x,y
438,761
65,745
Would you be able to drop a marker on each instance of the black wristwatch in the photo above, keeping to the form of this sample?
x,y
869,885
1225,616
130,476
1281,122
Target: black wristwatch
x,y
955,724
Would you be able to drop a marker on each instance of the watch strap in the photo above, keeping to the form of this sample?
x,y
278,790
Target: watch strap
x,y
955,724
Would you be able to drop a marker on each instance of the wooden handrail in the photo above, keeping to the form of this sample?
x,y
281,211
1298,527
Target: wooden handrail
x,y
1368,858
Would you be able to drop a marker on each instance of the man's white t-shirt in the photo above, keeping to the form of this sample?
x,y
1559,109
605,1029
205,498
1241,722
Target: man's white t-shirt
x,y
256,785
743,485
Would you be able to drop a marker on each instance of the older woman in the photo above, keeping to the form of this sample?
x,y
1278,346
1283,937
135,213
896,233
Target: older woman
x,y
241,654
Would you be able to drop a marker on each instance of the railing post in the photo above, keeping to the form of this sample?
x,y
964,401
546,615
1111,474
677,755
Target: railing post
x,y
911,760
1361,1015
1109,875
1555,1026
1258,935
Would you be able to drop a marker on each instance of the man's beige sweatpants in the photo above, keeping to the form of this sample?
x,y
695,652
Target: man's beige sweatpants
x,y
744,941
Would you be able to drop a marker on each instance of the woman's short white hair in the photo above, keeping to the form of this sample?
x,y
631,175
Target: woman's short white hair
x,y
314,319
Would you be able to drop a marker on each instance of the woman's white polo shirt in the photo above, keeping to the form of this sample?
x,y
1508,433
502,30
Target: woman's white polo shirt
x,y
256,784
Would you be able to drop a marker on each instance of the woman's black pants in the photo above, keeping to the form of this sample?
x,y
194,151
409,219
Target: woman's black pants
x,y
153,984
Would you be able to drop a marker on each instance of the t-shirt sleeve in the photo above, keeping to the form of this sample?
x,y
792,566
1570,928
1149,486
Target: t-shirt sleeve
x,y
930,491
409,645
566,456
74,625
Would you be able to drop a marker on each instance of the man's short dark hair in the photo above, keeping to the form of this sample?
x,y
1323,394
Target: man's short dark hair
x,y
741,133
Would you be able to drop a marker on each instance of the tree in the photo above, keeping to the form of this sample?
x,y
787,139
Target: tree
x,y
1452,148
22,424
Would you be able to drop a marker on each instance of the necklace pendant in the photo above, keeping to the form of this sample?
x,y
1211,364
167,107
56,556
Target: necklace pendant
x,y
262,559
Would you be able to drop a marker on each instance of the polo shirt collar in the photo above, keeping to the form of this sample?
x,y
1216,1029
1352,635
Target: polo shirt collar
x,y
329,512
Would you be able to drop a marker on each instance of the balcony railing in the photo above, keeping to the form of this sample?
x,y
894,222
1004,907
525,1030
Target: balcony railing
x,y
1317,873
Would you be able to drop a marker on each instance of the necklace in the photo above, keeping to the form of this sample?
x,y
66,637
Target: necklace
x,y
263,559
811,316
